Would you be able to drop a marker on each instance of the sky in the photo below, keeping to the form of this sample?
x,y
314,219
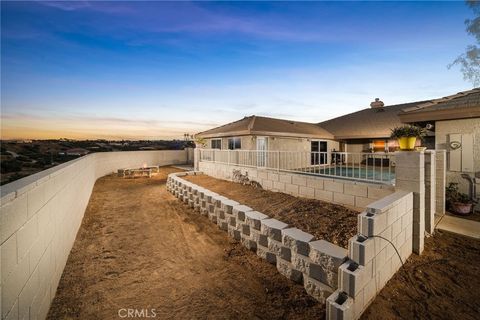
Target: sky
x,y
157,70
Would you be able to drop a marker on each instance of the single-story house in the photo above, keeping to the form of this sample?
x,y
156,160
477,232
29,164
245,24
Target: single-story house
x,y
455,120
452,123
270,134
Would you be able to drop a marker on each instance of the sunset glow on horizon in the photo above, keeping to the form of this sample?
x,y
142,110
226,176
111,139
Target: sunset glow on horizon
x,y
157,70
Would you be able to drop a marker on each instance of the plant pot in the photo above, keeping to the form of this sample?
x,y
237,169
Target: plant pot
x,y
407,143
460,208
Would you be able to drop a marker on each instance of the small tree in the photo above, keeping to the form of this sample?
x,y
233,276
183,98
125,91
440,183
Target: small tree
x,y
469,61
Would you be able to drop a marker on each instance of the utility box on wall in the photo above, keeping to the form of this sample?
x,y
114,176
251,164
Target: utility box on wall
x,y
460,152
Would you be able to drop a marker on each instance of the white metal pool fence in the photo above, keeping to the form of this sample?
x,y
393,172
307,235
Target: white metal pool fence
x,y
373,167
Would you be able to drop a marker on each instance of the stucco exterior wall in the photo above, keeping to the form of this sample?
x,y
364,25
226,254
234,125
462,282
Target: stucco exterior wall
x,y
276,143
39,219
462,126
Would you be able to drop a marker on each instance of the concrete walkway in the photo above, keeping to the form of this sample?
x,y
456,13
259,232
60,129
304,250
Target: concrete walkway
x,y
461,226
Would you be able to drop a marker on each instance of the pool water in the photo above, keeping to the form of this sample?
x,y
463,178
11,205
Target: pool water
x,y
376,174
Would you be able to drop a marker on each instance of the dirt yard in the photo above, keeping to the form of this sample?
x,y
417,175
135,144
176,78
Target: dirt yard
x,y
442,283
324,220
141,248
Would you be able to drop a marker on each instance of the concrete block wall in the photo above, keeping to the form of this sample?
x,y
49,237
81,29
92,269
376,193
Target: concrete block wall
x,y
346,280
351,193
430,190
384,229
39,219
441,178
296,254
410,176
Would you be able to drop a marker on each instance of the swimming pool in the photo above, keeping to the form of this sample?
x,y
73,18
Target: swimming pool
x,y
364,173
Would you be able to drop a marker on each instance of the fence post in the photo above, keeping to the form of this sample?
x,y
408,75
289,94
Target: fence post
x,y
410,176
278,161
228,157
196,158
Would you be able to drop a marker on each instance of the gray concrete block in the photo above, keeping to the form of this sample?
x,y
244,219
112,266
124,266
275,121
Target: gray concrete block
x,y
232,221
339,306
220,214
258,237
228,205
253,218
325,259
217,200
316,289
275,247
285,253
245,229
212,216
300,262
273,228
361,250
234,233
285,268
223,225
266,254
248,243
239,211
351,278
297,240
327,254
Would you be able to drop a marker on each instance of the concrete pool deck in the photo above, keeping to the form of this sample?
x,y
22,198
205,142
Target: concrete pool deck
x,y
461,226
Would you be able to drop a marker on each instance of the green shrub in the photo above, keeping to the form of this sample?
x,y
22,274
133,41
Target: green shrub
x,y
453,195
407,131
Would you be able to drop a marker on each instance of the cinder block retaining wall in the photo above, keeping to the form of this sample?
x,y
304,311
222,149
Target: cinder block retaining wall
x,y
347,280
384,229
39,219
346,192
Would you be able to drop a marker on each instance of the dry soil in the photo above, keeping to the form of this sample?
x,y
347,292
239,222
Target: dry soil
x,y
140,248
324,220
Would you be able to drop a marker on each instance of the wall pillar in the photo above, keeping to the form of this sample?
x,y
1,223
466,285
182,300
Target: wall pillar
x,y
440,176
430,190
410,176
196,159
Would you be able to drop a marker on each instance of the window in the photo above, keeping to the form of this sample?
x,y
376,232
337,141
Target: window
x,y
216,143
234,143
318,152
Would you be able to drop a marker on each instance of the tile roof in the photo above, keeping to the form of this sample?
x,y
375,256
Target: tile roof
x,y
363,124
465,104
367,123
256,125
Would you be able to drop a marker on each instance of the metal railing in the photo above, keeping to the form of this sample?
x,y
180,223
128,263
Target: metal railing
x,y
373,167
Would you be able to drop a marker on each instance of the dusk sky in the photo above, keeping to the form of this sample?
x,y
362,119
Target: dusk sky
x,y
155,70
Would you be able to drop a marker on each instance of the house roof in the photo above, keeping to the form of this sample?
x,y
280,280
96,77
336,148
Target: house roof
x,y
255,125
465,104
364,124
367,123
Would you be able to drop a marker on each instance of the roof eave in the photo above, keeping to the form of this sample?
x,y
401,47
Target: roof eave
x,y
264,133
438,115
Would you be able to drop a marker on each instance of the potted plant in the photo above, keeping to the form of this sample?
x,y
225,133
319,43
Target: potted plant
x,y
457,202
407,136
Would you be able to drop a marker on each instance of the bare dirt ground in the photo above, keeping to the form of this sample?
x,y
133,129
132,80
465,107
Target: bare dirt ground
x,y
442,283
324,220
139,247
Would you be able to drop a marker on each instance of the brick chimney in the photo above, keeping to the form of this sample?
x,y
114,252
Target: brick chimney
x,y
377,104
